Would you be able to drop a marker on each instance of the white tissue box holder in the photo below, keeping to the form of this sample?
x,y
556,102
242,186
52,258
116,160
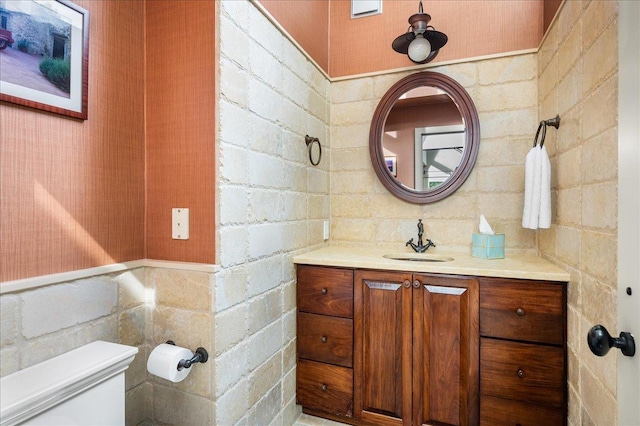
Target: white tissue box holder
x,y
486,246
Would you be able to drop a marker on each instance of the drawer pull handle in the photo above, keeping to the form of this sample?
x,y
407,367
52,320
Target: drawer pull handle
x,y
416,284
520,373
324,339
324,387
520,312
406,283
323,291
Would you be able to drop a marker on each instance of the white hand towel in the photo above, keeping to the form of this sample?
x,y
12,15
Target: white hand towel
x,y
537,190
532,189
544,220
528,187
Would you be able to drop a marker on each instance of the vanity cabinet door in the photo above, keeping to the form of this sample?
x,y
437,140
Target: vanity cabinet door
x,y
445,351
382,355
416,349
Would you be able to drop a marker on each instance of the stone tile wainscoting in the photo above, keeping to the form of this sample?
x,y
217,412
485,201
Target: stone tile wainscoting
x,y
578,74
142,307
272,207
45,322
181,311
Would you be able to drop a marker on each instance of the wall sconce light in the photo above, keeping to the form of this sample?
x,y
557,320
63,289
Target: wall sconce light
x,y
421,42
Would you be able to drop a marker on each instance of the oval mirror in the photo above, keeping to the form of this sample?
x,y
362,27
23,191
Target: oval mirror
x,y
424,137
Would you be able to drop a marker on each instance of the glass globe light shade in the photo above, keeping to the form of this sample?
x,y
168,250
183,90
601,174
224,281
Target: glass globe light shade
x,y
419,49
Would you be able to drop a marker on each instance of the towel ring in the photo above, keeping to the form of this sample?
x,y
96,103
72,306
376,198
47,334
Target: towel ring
x,y
554,122
310,141
542,127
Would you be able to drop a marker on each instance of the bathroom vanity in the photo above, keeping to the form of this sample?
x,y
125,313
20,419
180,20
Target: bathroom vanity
x,y
450,340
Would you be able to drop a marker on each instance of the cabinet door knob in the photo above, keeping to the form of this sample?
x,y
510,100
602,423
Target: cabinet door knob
x,y
324,339
520,373
416,284
324,387
323,291
406,283
520,312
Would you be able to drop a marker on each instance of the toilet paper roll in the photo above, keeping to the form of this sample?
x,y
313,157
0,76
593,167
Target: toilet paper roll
x,y
164,359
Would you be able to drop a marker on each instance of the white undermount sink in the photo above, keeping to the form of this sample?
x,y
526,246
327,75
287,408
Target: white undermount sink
x,y
418,257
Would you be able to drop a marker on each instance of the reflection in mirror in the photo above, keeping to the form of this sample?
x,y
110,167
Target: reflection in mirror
x,y
424,137
437,155
424,132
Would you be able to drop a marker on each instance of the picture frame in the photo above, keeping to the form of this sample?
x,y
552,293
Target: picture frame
x,y
390,161
44,56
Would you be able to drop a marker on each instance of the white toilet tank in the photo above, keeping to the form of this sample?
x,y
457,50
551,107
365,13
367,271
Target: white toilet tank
x,y
82,387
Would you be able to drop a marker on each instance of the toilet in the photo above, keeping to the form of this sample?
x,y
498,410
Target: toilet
x,y
82,387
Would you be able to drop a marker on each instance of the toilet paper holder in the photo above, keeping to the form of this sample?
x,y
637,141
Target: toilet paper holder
x,y
200,355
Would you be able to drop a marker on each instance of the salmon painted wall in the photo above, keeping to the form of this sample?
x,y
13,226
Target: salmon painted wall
x,y
363,45
307,22
180,127
475,28
71,191
550,9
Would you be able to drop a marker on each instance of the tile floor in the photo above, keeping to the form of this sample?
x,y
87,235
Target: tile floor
x,y
307,420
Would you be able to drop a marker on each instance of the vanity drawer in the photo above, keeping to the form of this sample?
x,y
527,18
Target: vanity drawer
x,y
325,387
325,339
502,412
522,371
522,310
326,291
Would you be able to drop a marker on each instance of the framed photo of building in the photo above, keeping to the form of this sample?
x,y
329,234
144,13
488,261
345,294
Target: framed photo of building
x,y
44,55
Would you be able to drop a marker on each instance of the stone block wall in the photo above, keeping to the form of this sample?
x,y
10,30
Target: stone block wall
x,y
578,73
142,307
272,204
42,323
180,309
363,212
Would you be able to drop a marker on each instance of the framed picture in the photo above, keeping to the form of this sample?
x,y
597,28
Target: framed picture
x,y
391,165
44,55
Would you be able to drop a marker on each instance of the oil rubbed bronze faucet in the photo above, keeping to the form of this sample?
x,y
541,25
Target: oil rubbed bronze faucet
x,y
420,247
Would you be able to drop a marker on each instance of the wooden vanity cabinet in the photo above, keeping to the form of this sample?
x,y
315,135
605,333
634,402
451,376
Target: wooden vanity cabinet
x,y
324,379
416,349
522,352
401,348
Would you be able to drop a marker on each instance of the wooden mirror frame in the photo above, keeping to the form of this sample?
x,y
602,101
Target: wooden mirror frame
x,y
472,136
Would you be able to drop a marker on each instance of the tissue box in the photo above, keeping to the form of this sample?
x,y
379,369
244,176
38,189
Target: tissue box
x,y
487,246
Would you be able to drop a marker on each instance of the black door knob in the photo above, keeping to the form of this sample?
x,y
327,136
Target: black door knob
x,y
600,341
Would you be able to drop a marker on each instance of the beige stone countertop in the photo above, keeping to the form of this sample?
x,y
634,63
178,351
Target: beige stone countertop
x,y
516,265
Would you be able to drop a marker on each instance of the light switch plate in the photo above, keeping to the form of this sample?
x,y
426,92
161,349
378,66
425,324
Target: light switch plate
x,y
180,223
325,230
